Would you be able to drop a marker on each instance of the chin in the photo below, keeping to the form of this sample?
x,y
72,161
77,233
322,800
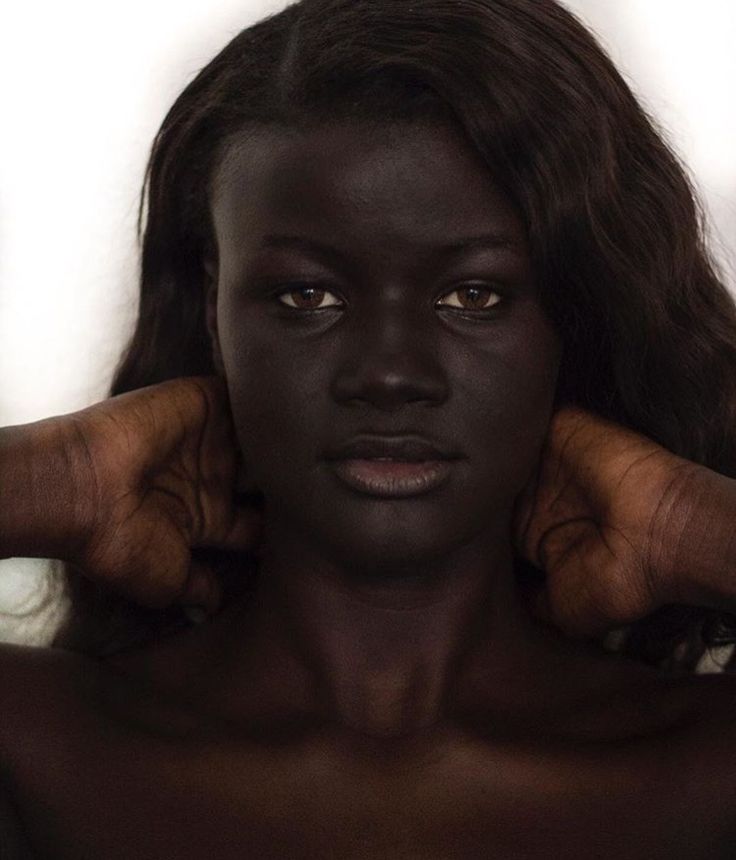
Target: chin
x,y
393,550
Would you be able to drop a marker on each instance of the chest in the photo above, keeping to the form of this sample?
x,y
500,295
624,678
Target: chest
x,y
118,798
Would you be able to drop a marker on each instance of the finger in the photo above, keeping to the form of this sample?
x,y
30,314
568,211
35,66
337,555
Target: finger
x,y
246,530
202,588
583,621
243,533
575,620
521,529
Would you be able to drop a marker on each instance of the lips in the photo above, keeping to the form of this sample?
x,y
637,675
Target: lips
x,y
392,467
408,449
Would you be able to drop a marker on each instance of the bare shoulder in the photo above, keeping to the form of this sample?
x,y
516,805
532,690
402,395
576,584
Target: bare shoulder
x,y
699,704
714,698
42,688
23,664
39,686
707,749
13,840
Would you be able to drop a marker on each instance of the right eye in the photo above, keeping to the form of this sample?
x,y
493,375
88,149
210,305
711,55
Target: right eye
x,y
307,297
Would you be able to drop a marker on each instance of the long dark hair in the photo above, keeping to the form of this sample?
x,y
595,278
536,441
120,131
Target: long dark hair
x,y
615,232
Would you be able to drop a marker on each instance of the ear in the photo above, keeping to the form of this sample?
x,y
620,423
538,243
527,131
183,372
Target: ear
x,y
211,279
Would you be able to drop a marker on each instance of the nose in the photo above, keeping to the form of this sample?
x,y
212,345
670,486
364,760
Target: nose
x,y
390,360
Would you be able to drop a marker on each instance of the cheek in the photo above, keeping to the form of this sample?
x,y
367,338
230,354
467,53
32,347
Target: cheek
x,y
501,395
273,406
509,404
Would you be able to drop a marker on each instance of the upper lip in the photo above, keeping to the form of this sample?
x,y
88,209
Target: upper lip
x,y
412,449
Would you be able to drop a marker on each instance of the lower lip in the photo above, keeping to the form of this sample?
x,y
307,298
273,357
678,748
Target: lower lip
x,y
393,479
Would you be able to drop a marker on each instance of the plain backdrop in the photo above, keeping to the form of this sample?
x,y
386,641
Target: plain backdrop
x,y
84,87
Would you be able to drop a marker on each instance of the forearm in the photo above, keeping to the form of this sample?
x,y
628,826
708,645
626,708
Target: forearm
x,y
37,492
703,567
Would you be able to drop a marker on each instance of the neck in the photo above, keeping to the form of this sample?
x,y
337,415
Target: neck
x,y
382,656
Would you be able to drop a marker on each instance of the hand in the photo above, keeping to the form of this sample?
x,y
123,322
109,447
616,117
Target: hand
x,y
162,464
599,517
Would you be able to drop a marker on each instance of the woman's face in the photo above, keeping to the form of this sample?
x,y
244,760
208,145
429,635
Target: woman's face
x,y
373,280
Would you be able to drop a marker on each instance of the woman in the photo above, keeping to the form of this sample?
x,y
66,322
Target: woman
x,y
410,242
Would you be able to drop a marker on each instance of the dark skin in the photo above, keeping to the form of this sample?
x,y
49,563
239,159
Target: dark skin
x,y
386,693
382,595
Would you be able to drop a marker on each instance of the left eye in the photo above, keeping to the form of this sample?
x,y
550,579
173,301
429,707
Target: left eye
x,y
472,298
307,298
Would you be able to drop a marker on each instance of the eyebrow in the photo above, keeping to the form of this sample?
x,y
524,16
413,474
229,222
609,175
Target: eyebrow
x,y
490,241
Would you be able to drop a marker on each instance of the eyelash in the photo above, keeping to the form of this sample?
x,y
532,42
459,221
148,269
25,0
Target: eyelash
x,y
295,288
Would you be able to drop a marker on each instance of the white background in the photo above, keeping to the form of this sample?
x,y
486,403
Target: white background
x,y
84,86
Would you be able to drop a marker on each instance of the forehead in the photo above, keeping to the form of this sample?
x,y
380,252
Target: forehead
x,y
399,182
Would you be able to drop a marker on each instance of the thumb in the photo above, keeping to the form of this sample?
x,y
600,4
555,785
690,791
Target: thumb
x,y
244,531
202,588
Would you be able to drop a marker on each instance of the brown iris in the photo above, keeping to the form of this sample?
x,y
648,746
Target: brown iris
x,y
305,298
475,298
308,297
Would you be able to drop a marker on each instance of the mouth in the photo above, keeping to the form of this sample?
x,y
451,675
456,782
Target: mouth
x,y
393,479
406,448
392,466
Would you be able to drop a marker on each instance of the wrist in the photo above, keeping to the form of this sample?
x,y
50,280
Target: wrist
x,y
42,502
701,570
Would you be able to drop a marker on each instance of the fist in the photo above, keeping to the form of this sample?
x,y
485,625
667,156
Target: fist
x,y
599,517
160,466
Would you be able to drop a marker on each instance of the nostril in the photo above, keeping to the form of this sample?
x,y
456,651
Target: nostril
x,y
389,389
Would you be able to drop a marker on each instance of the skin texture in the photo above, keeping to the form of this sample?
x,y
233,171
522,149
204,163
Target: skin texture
x,y
385,693
386,360
389,361
607,518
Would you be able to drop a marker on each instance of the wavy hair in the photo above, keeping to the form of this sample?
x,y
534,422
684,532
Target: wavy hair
x,y
615,231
